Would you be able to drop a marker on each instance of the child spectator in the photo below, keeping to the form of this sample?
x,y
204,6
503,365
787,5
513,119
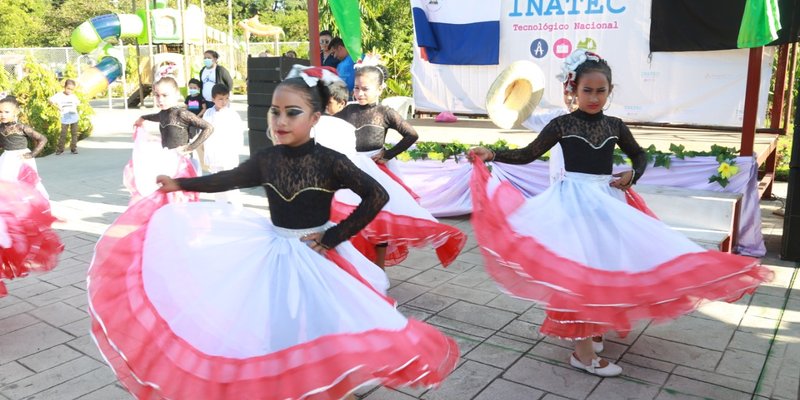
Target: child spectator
x,y
194,101
67,102
222,148
196,104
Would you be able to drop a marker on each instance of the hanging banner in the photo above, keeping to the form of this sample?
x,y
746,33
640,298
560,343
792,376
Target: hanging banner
x,y
704,88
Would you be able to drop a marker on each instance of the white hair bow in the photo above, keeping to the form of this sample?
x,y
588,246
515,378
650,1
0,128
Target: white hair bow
x,y
312,75
571,64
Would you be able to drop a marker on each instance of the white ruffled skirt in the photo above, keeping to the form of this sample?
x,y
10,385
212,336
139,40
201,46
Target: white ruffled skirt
x,y
597,260
202,300
15,168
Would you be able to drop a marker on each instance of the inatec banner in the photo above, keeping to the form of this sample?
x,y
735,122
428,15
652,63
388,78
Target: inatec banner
x,y
704,88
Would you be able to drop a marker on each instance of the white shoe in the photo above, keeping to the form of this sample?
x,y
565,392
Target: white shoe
x,y
598,347
609,370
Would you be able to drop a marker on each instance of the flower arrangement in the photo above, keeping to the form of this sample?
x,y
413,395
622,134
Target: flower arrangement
x,y
725,156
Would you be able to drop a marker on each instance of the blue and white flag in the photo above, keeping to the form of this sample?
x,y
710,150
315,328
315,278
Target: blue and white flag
x,y
458,32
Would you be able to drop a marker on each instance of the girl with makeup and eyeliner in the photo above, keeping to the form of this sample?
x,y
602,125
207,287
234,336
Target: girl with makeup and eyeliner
x,y
199,300
597,263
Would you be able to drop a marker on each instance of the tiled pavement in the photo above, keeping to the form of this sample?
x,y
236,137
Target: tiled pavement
x,y
749,349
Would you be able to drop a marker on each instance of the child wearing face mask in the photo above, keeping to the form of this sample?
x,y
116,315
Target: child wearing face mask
x,y
195,103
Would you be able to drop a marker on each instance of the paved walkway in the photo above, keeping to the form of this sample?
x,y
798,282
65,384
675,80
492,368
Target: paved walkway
x,y
749,349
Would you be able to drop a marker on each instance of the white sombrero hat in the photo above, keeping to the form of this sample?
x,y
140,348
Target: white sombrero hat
x,y
515,94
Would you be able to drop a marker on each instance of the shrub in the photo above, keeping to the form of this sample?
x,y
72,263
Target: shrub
x,y
6,80
33,92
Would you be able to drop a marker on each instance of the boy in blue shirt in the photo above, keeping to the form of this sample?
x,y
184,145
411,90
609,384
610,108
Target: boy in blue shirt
x,y
346,66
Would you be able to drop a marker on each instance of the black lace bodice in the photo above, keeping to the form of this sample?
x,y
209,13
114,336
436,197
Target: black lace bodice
x,y
174,125
372,122
300,182
14,136
587,141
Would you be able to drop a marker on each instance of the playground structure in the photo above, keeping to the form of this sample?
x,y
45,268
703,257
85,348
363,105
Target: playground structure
x,y
252,26
157,26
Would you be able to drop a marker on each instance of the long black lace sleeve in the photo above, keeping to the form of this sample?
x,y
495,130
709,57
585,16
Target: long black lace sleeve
x,y
632,149
37,137
548,138
373,198
395,121
191,120
152,117
247,174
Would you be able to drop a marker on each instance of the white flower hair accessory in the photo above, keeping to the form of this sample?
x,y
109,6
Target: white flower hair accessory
x,y
3,95
571,64
369,60
312,75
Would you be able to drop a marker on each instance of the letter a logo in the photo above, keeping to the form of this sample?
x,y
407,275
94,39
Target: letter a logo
x,y
539,48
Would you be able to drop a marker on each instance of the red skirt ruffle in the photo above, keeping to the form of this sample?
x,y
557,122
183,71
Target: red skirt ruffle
x,y
35,246
577,294
28,175
154,363
399,232
397,179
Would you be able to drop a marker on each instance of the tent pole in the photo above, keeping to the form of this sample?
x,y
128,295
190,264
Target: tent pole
x,y
313,32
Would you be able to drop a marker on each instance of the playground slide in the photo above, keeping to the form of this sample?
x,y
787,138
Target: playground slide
x,y
91,37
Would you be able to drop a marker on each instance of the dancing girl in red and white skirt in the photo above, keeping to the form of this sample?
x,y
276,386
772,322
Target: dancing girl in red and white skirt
x,y
204,300
402,223
171,155
597,263
28,244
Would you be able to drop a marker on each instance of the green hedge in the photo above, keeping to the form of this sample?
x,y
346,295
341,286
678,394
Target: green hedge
x,y
32,93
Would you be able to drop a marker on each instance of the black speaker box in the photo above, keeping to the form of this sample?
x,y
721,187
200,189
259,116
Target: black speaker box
x,y
260,93
257,117
790,242
258,140
271,69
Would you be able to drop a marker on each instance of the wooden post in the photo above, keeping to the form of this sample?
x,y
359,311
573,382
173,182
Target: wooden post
x,y
205,27
138,60
792,65
184,47
231,62
776,113
148,23
751,102
313,32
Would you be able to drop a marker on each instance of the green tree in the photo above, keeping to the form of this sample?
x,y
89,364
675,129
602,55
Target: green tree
x,y
62,20
22,22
